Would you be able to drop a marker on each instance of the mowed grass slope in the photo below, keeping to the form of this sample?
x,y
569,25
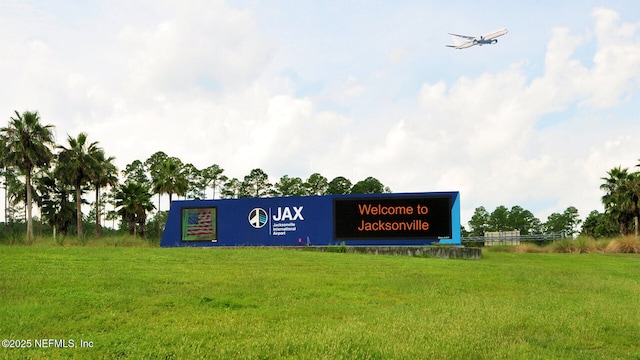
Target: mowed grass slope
x,y
284,304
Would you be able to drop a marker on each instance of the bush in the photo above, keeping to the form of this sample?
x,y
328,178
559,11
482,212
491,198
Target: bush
x,y
579,245
625,245
563,246
585,245
530,248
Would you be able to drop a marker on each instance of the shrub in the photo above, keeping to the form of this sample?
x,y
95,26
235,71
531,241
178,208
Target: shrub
x,y
625,245
601,244
529,248
563,246
585,245
579,245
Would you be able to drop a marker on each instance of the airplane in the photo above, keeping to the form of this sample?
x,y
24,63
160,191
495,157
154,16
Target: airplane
x,y
476,40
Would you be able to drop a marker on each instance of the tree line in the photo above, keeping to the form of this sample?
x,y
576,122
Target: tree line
x,y
54,177
620,217
518,218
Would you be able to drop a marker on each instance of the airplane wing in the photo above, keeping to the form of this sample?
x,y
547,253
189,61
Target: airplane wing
x,y
495,34
462,46
458,43
464,36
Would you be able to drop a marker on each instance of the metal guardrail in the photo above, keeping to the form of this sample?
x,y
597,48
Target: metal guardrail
x,y
512,239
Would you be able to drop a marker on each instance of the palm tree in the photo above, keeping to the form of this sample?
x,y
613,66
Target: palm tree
x,y
4,175
171,178
619,200
632,190
78,164
27,146
17,191
154,167
134,200
104,174
56,208
213,177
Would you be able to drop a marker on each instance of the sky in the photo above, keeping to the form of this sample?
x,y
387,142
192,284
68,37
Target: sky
x,y
352,88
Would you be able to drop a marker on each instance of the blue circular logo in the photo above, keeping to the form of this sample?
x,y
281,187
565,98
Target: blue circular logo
x,y
258,218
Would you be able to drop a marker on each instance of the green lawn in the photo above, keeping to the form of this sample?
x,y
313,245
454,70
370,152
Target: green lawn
x,y
278,304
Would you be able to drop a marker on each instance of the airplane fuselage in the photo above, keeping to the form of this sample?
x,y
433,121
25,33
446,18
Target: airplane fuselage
x,y
495,34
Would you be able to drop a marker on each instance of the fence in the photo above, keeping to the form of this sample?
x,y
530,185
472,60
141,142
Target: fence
x,y
503,239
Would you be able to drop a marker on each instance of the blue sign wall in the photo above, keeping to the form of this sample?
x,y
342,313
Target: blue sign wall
x,y
376,219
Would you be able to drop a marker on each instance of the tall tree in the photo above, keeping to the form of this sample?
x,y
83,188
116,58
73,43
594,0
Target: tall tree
x,y
103,175
133,201
231,189
566,223
78,163
600,225
523,220
17,193
498,219
370,185
136,173
317,184
56,209
171,178
153,163
196,185
617,199
213,177
573,220
27,145
632,189
339,186
3,169
479,222
154,166
256,184
290,186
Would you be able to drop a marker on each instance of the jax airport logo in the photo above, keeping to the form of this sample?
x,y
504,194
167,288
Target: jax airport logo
x,y
258,218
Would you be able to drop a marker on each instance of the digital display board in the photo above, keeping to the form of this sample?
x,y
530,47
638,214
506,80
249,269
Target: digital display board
x,y
392,218
199,224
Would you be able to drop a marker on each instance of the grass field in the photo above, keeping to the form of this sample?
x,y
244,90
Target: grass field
x,y
145,302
